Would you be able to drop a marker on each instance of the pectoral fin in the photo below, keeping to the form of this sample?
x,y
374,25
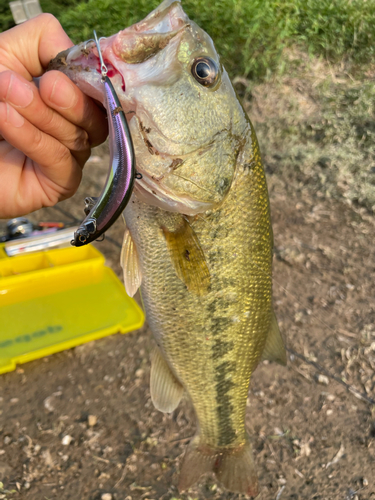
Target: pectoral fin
x,y
188,258
166,390
130,265
274,350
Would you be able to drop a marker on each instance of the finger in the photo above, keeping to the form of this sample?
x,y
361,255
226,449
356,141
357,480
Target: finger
x,y
59,93
22,191
57,169
29,47
24,96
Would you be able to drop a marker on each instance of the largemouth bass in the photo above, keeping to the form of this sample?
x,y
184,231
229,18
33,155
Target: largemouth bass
x,y
199,239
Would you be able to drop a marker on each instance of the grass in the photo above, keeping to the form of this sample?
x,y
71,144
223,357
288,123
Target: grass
x,y
251,36
317,129
318,124
55,7
6,19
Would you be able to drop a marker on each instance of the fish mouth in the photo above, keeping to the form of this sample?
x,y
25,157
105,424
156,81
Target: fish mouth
x,y
123,55
132,46
168,16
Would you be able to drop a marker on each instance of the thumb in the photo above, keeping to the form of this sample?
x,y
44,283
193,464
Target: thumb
x,y
29,47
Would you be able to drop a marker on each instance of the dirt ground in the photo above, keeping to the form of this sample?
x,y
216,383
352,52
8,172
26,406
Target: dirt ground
x,y
312,437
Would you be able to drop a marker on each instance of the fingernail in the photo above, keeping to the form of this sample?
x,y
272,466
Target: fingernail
x,y
13,117
19,93
63,94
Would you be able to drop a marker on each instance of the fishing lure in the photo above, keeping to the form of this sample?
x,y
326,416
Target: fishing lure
x,y
103,211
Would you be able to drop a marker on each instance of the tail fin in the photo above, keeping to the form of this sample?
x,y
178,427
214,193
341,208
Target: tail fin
x,y
234,467
237,471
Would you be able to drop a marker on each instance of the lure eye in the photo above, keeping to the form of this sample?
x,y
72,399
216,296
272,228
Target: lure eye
x,y
205,70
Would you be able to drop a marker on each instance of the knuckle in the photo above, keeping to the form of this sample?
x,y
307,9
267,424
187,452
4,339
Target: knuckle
x,y
82,158
38,143
62,155
78,141
48,120
71,136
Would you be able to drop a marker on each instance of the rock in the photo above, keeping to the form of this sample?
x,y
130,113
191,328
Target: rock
x,y
49,401
48,404
66,440
106,496
322,379
47,458
92,420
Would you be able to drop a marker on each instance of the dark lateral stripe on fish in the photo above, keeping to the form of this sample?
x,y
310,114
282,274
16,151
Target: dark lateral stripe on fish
x,y
220,348
227,433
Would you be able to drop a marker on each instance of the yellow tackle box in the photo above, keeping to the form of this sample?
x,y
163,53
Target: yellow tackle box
x,y
57,299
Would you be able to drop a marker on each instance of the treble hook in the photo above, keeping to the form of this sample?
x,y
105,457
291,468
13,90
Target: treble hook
x,y
87,42
103,67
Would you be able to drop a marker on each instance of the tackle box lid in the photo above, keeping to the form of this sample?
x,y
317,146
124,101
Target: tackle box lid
x,y
57,299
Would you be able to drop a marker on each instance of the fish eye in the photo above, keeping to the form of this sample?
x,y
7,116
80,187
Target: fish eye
x,y
205,70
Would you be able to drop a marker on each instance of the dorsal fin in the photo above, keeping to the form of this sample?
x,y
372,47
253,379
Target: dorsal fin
x,y
130,265
188,258
274,349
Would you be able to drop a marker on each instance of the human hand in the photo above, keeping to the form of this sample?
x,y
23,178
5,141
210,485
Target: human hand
x,y
45,133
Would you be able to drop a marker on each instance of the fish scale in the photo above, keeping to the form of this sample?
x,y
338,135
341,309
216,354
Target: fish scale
x,y
216,343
